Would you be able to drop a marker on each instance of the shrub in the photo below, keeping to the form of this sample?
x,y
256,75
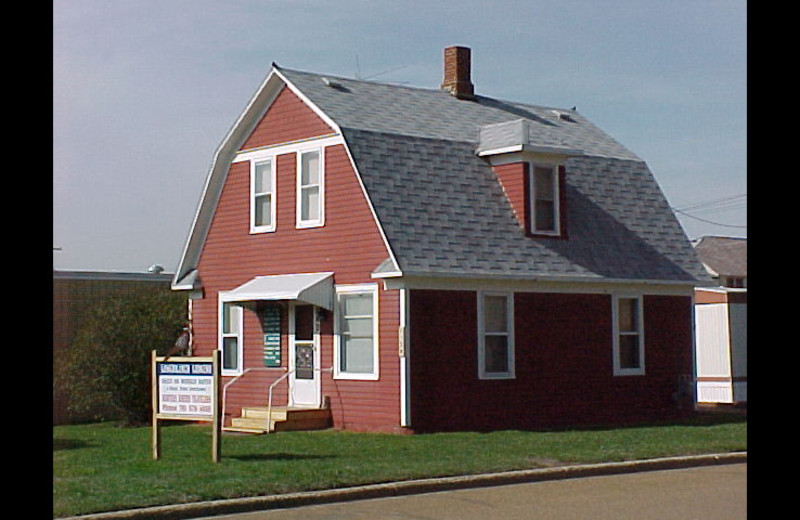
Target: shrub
x,y
107,374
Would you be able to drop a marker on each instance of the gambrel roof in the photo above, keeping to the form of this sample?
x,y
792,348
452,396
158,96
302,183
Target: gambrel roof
x,y
419,155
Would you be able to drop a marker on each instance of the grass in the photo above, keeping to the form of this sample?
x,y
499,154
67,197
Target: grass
x,y
101,467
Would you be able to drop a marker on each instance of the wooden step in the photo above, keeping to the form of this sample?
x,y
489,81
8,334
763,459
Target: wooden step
x,y
254,419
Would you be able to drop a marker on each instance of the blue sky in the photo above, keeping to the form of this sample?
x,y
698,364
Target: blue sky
x,y
144,92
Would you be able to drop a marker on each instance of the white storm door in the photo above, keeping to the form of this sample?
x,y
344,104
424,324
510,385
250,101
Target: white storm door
x,y
304,357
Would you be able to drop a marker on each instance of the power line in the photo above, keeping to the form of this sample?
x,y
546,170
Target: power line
x,y
708,221
722,203
714,205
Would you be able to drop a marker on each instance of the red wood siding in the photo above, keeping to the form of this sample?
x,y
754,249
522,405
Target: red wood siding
x,y
513,179
349,244
288,119
564,374
369,405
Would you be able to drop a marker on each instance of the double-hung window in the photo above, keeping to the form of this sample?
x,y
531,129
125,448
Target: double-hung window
x,y
230,338
628,336
495,335
356,353
262,196
544,199
310,189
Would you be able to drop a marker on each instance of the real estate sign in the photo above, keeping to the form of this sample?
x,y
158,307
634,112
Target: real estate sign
x,y
186,388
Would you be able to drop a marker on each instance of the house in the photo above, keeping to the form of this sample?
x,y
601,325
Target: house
x,y
721,322
725,259
75,294
418,260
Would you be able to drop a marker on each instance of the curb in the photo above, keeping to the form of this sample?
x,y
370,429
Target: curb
x,y
410,487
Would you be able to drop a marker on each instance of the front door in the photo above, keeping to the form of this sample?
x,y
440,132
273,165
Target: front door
x,y
304,381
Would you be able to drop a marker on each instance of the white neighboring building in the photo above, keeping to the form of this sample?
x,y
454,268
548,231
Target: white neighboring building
x,y
721,322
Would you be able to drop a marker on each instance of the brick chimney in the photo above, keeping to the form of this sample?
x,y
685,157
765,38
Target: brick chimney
x,y
457,72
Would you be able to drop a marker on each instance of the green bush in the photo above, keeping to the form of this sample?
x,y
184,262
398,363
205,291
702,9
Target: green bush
x,y
107,373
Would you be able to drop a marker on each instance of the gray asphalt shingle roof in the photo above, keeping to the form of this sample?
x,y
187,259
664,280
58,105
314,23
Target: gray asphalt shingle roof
x,y
726,256
435,114
444,212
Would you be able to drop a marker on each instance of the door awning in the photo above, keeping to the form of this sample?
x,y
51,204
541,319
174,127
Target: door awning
x,y
313,288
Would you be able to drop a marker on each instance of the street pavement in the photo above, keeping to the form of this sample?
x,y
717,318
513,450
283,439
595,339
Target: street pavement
x,y
708,493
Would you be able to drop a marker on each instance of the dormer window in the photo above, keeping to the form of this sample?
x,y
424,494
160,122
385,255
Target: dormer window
x,y
532,174
544,199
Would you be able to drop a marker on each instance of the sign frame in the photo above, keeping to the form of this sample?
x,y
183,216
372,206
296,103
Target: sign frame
x,y
196,369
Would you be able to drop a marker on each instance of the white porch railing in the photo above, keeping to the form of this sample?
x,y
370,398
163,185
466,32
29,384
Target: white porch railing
x,y
274,384
232,381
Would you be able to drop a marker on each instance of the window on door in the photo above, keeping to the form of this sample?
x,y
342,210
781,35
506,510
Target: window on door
x,y
230,338
356,354
304,342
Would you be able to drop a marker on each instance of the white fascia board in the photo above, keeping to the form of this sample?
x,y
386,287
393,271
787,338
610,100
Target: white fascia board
x,y
322,115
560,151
372,210
497,151
263,152
710,270
227,152
218,172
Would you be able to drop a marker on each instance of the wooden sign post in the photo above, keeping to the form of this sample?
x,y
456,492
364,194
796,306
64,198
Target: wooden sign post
x,y
187,389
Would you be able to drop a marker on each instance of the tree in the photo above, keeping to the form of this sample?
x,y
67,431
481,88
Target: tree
x,y
108,373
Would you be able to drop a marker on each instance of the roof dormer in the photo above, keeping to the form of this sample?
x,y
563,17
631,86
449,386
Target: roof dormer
x,y
529,165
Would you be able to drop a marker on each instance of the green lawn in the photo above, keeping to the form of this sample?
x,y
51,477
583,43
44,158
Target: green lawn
x,y
101,467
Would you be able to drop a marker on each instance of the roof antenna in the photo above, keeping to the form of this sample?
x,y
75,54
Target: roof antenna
x,y
358,68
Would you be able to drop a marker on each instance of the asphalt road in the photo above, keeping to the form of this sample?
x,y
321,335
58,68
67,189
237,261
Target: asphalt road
x,y
707,493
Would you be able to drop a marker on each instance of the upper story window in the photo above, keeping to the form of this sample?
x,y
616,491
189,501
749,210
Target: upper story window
x,y
310,189
544,200
495,335
628,336
300,162
262,196
733,281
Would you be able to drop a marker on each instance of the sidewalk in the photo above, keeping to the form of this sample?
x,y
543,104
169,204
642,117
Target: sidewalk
x,y
241,505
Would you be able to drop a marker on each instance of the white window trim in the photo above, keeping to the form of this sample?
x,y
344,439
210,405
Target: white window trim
x,y
482,373
239,370
273,196
554,166
618,370
320,219
338,373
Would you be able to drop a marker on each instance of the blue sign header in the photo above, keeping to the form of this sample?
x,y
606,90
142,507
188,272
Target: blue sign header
x,y
185,369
